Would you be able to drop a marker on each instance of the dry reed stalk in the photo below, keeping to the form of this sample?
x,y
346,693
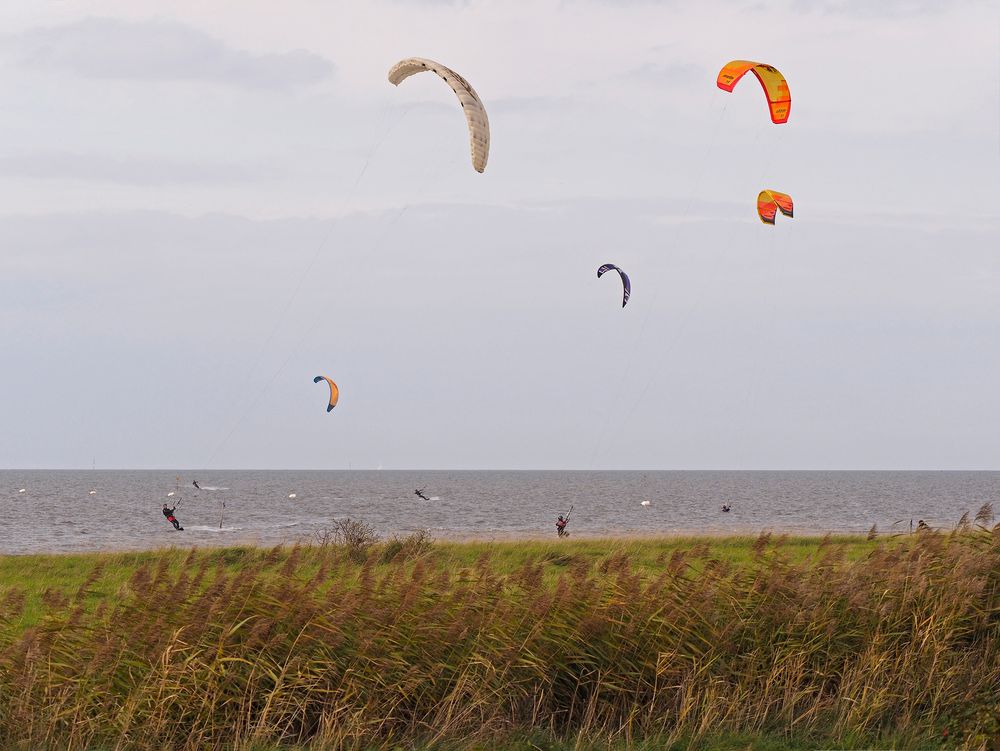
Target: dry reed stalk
x,y
305,645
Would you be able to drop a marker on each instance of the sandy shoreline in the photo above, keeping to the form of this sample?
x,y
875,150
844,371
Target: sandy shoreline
x,y
513,538
711,532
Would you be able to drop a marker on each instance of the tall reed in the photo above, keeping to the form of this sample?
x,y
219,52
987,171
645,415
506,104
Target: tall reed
x,y
307,645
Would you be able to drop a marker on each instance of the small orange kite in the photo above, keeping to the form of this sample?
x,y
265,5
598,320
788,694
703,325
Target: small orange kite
x,y
334,392
769,202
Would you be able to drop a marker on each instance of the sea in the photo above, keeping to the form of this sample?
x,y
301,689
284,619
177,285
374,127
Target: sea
x,y
69,511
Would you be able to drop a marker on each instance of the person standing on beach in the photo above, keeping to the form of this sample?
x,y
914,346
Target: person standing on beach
x,y
169,513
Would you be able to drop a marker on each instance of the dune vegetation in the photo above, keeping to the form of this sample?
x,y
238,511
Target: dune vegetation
x,y
353,642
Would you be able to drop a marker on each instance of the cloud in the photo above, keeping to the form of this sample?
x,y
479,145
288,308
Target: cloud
x,y
532,104
830,325
862,8
105,48
667,74
128,170
883,8
439,3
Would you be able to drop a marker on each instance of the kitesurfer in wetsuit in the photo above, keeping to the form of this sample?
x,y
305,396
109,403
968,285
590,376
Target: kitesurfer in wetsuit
x,y
421,494
195,483
561,526
169,513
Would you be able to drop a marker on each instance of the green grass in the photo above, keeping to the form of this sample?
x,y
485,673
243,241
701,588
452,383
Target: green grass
x,y
715,642
39,576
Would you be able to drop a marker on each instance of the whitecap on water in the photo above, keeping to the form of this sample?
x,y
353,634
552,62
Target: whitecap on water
x,y
203,528
291,495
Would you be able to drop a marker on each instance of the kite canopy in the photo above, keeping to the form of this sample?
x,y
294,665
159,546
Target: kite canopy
x,y
334,391
779,98
475,112
769,202
626,284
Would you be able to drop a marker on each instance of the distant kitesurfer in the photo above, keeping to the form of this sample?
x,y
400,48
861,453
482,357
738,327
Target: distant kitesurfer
x,y
561,526
195,483
421,494
726,508
169,513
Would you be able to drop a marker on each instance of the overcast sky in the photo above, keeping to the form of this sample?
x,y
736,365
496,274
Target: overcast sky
x,y
204,205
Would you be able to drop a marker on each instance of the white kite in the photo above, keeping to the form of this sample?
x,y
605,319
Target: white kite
x,y
472,105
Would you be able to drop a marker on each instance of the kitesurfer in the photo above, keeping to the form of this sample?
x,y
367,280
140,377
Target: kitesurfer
x,y
726,508
195,483
561,526
169,513
421,494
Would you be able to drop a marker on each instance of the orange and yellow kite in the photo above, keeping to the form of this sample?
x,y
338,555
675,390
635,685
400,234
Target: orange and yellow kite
x,y
334,391
779,98
769,202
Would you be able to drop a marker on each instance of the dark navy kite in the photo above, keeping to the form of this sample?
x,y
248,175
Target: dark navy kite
x,y
626,284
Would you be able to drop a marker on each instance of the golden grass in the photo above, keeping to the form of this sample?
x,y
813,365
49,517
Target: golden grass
x,y
590,642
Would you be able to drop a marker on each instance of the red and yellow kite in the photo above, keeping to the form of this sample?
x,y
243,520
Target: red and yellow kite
x,y
779,98
769,202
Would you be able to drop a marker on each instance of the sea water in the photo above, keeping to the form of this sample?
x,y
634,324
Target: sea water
x,y
63,511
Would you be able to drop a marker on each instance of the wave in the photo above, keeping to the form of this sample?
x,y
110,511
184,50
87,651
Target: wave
x,y
206,528
202,528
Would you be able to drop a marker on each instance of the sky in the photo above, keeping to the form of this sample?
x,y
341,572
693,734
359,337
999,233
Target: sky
x,y
205,205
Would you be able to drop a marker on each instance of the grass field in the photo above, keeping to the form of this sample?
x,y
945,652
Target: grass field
x,y
721,642
36,575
